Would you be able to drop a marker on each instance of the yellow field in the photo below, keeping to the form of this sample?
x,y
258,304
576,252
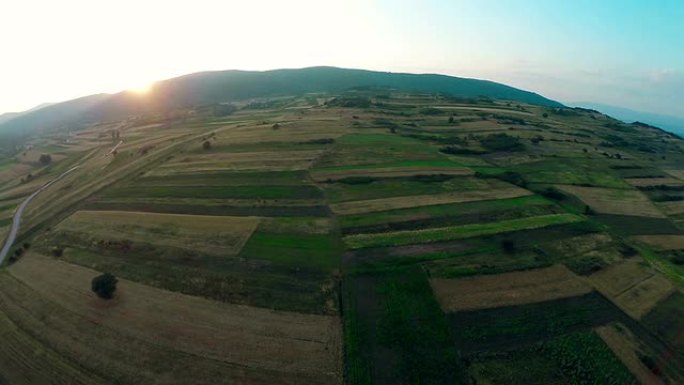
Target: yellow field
x,y
215,234
632,286
626,351
507,289
613,201
663,242
388,172
152,336
374,205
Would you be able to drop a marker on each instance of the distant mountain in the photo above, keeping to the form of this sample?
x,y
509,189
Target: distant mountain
x,y
8,116
227,86
669,123
11,115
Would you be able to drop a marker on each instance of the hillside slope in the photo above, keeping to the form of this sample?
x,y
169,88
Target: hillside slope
x,y
227,86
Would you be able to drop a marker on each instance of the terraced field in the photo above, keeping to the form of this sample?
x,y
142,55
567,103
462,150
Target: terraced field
x,y
415,240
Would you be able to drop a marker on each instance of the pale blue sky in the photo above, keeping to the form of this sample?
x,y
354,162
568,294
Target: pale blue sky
x,y
622,52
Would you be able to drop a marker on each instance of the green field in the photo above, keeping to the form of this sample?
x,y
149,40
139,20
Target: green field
x,y
399,238
337,239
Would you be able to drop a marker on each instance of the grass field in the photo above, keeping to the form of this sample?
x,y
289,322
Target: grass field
x,y
419,239
399,238
384,204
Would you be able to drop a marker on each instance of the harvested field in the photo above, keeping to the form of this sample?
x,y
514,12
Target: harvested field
x,y
624,349
374,205
399,238
290,345
507,289
645,182
615,201
632,285
672,208
214,234
662,242
679,174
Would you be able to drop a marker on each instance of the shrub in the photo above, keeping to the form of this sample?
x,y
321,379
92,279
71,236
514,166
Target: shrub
x,y
508,246
553,193
356,180
206,145
57,251
431,111
104,285
45,159
502,142
586,265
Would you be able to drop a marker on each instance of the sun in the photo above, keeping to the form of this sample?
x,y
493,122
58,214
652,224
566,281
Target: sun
x,y
141,89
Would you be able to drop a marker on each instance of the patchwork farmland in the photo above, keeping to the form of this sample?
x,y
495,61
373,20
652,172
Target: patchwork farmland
x,y
354,238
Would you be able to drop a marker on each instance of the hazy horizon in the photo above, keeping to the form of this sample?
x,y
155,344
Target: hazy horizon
x,y
620,53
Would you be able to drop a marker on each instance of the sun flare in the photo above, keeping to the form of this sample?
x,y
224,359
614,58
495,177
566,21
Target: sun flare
x,y
142,88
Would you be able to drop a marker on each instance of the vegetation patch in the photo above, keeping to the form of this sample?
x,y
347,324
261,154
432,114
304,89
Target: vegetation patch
x,y
458,232
403,202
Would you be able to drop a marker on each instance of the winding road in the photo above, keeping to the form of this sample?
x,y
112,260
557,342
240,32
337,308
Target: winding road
x,y
16,221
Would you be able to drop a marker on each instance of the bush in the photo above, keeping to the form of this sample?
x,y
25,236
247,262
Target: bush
x,y
586,265
502,142
431,111
455,150
356,180
206,145
104,285
553,193
508,246
57,251
45,159
513,178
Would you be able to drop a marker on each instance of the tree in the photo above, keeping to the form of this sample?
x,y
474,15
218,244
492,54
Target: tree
x,y
508,246
588,210
206,145
45,159
104,285
57,251
451,119
545,115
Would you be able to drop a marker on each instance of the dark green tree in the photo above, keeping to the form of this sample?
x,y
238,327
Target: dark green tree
x,y
104,285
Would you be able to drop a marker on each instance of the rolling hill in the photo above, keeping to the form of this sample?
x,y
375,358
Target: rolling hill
x,y
228,86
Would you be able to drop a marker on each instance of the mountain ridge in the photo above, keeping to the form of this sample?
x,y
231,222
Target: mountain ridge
x,y
212,87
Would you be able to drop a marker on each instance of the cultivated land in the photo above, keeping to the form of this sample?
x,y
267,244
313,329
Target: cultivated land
x,y
365,237
507,289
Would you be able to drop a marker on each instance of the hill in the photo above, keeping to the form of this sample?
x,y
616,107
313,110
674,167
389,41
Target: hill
x,y
669,123
230,86
357,237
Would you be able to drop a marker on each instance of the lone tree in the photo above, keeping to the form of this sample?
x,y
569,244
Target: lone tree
x,y
45,159
206,145
104,285
508,246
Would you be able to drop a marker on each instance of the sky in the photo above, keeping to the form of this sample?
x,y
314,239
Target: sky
x,y
621,52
